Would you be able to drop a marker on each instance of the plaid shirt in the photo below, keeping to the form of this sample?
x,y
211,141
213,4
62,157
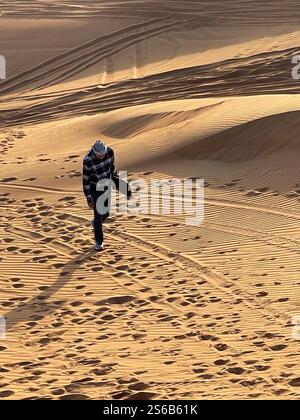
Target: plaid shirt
x,y
95,169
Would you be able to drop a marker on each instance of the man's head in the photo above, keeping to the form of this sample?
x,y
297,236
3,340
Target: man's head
x,y
99,149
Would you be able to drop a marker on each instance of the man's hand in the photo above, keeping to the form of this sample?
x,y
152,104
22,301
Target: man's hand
x,y
90,204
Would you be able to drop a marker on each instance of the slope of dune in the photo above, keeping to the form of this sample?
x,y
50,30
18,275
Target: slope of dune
x,y
181,89
262,137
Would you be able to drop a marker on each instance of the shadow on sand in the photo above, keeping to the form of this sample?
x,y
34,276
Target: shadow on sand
x,y
38,307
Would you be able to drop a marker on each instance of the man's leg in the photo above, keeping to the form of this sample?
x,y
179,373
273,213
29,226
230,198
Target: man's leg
x,y
121,186
104,217
107,204
98,230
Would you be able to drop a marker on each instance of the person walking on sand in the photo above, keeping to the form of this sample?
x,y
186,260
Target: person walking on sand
x,y
99,166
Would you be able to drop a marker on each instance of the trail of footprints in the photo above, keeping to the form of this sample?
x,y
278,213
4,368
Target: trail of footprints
x,y
43,158
259,191
162,304
8,138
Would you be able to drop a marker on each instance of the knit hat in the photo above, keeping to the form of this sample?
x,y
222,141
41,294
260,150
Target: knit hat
x,y
99,147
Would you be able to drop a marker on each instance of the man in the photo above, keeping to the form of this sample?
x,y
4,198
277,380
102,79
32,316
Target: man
x,y
99,166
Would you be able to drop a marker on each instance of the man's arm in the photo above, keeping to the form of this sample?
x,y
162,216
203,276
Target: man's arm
x,y
86,183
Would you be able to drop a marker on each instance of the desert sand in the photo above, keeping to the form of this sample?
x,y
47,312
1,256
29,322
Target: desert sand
x,y
178,89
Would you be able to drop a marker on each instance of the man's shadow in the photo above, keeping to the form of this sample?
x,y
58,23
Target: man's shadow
x,y
37,308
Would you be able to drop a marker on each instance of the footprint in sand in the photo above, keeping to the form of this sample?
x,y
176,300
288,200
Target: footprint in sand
x,y
18,285
30,179
292,194
74,174
236,370
58,391
30,204
74,397
9,179
19,135
138,386
253,193
278,347
67,198
142,395
8,240
230,184
71,158
295,382
262,190
5,394
12,249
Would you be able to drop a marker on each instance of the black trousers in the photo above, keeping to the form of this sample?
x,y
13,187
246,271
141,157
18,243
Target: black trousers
x,y
100,217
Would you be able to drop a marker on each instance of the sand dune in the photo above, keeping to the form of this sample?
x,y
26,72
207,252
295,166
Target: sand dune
x,y
185,89
259,138
264,74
